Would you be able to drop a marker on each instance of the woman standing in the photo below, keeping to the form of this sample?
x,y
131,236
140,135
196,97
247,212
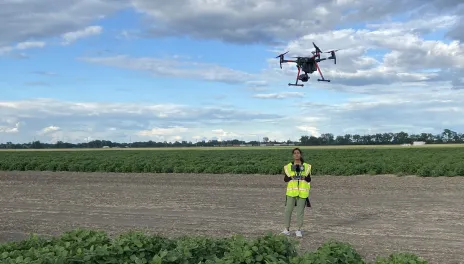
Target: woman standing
x,y
298,178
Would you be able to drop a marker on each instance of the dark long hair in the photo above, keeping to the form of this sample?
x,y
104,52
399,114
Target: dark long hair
x,y
301,154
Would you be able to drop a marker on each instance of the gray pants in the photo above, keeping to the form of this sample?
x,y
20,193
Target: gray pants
x,y
300,207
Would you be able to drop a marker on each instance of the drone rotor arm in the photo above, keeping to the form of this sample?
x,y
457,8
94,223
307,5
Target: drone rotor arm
x,y
281,56
332,56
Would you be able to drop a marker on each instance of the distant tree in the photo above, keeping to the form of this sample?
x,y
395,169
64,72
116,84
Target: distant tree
x,y
446,136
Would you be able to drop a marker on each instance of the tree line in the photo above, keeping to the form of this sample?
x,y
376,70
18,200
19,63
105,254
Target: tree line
x,y
446,137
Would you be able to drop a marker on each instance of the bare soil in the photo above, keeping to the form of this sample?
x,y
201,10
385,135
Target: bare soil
x,y
377,214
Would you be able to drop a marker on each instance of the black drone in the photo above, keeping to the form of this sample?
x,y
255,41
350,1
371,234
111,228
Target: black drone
x,y
308,64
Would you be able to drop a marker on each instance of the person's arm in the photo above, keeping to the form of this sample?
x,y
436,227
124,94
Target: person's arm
x,y
286,178
308,177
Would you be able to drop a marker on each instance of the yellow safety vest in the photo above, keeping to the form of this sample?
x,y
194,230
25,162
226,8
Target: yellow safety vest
x,y
298,188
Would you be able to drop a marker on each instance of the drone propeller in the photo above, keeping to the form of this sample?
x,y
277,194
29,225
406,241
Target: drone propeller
x,y
318,50
330,51
281,58
281,55
332,55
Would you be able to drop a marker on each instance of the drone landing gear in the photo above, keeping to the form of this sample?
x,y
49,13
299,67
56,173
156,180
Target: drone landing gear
x,y
301,77
323,79
295,84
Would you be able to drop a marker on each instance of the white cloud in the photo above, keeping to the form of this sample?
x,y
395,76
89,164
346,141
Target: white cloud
x,y
76,121
221,134
48,129
10,129
29,45
174,67
163,131
282,95
21,46
269,21
410,111
89,31
42,19
309,130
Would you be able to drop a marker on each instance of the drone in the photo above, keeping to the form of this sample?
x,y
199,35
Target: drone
x,y
308,64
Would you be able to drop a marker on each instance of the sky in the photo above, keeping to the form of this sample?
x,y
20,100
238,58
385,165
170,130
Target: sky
x,y
139,70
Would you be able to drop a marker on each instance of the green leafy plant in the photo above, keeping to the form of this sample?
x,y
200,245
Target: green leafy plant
x,y
426,162
89,246
333,252
401,258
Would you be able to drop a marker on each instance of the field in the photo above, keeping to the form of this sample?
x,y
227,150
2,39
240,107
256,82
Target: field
x,y
377,215
218,193
421,161
457,145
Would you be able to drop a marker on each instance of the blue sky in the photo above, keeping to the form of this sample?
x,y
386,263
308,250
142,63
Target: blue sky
x,y
137,70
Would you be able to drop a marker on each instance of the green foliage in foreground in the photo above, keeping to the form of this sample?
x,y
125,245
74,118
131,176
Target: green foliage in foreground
x,y
445,161
89,246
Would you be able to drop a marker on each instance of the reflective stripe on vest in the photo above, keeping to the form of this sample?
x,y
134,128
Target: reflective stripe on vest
x,y
298,188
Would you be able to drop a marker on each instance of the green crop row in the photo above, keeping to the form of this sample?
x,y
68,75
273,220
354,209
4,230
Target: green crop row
x,y
408,161
90,246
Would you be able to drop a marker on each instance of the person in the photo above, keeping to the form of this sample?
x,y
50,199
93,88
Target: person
x,y
298,179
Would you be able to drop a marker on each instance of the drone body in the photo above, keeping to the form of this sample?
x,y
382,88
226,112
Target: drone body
x,y
308,65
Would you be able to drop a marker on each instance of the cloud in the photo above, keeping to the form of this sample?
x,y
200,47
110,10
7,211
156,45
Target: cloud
x,y
76,121
264,21
239,21
457,32
10,129
234,21
282,95
71,37
173,67
48,129
6,50
410,111
47,18
163,131
221,133
309,130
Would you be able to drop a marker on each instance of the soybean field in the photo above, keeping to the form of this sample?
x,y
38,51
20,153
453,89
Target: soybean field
x,y
193,206
420,161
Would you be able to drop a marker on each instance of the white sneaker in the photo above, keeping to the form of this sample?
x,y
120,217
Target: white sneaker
x,y
286,232
298,233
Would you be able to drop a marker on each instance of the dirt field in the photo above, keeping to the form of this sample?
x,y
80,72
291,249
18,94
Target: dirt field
x,y
377,214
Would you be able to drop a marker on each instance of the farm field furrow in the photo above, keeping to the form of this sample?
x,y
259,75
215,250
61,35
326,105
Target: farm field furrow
x,y
421,161
377,215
